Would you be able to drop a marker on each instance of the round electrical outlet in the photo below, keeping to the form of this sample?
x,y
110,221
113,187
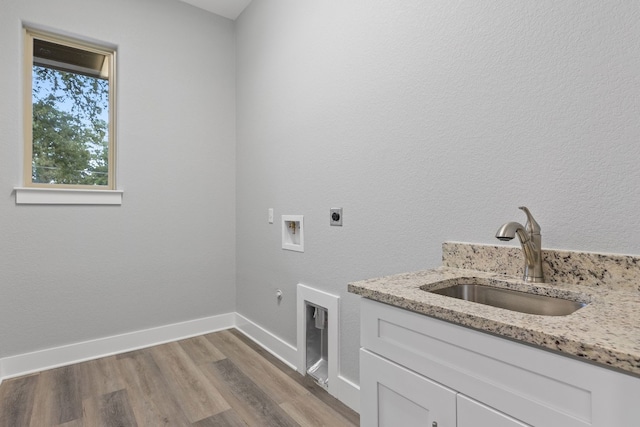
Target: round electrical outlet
x,y
335,216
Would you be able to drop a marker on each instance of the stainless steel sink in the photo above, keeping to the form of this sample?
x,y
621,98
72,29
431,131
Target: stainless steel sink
x,y
511,300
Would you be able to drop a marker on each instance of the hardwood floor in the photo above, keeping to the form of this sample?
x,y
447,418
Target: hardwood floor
x,y
219,379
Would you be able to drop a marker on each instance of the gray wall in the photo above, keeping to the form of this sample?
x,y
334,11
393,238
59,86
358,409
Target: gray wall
x,y
74,273
427,121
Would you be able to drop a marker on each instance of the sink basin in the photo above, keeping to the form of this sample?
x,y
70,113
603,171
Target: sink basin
x,y
522,302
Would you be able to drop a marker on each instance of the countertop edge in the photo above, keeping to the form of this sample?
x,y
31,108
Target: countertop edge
x,y
563,343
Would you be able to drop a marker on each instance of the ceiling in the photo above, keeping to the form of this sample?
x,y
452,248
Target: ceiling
x,y
228,8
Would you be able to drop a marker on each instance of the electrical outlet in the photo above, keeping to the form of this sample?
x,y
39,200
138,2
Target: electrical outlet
x,y
335,216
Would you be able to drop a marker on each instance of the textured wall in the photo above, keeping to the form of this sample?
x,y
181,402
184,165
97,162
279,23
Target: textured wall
x,y
428,121
74,273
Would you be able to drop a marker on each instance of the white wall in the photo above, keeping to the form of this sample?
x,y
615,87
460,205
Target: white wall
x,y
428,121
75,273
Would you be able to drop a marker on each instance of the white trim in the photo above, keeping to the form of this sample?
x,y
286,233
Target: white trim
x,y
22,364
282,350
347,391
64,196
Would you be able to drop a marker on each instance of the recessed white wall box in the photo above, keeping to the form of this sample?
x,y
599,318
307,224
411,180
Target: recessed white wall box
x,y
293,233
307,300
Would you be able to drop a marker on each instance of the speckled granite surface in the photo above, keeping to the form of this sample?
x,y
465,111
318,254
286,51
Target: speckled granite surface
x,y
613,271
606,331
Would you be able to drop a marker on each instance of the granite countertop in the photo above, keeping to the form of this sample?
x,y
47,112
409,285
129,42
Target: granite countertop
x,y
606,331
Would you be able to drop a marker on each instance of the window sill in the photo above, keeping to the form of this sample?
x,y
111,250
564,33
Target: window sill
x,y
62,196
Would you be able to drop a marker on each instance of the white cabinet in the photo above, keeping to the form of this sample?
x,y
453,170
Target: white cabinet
x,y
395,396
402,397
413,366
474,414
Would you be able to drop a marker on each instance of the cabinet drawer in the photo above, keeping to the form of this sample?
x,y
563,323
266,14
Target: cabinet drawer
x,y
474,414
394,396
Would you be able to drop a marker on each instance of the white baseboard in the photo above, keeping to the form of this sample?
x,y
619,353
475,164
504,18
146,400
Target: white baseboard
x,y
282,350
347,392
23,364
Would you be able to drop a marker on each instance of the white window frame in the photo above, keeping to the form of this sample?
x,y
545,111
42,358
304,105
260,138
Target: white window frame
x,y
43,193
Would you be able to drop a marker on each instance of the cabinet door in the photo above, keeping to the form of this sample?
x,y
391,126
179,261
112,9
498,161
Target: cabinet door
x,y
474,414
394,396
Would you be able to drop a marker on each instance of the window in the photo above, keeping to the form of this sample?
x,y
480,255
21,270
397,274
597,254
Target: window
x,y
69,113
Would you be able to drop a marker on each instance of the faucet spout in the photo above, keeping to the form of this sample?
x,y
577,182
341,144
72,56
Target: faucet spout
x,y
508,232
531,242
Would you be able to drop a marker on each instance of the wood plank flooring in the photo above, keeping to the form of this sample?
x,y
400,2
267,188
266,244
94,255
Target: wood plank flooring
x,y
219,379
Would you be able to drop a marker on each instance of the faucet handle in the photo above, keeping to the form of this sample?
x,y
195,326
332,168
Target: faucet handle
x,y
532,226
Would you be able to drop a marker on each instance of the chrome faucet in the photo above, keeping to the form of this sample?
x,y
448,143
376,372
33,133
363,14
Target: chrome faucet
x,y
531,242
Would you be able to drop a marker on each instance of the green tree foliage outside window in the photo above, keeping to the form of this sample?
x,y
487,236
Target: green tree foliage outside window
x,y
70,128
